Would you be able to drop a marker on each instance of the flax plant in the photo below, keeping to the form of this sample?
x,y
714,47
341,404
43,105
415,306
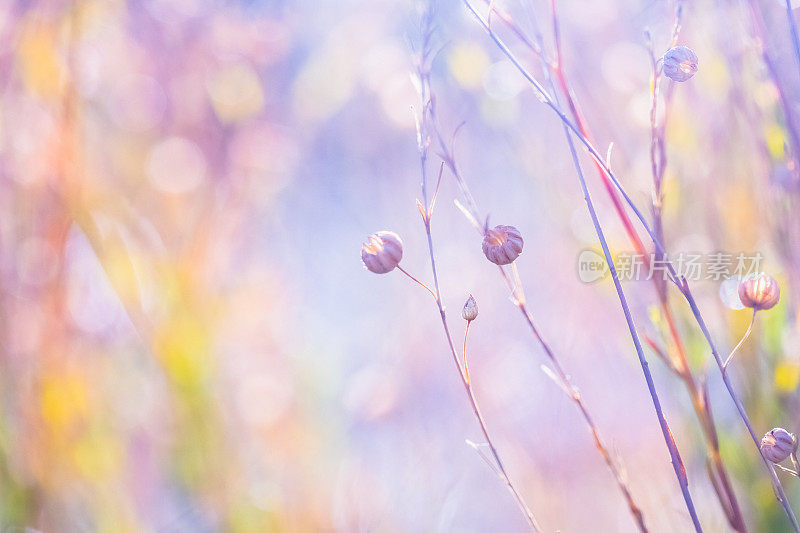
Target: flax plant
x,y
517,293
426,208
675,356
679,281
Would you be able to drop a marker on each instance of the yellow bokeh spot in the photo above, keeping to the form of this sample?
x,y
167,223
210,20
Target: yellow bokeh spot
x,y
183,348
324,85
235,93
715,78
682,134
97,456
122,273
776,139
467,63
64,401
787,377
655,314
41,68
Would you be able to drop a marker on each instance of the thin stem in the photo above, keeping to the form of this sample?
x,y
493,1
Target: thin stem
x,y
464,352
517,291
415,280
776,483
793,31
677,462
520,502
424,142
679,364
746,334
680,282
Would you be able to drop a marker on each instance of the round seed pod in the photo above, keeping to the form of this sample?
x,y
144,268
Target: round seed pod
x,y
680,63
777,445
382,252
759,292
502,245
470,310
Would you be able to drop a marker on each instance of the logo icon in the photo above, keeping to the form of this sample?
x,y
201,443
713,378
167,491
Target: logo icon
x,y
591,266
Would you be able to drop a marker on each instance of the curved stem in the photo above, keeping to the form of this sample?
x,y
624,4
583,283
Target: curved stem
x,y
746,334
677,462
473,403
423,141
575,396
419,282
776,482
679,281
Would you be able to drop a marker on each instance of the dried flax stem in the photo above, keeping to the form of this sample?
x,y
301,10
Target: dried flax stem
x,y
467,386
562,379
677,462
679,281
427,212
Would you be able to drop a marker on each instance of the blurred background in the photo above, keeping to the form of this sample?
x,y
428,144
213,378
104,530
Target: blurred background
x,y
188,338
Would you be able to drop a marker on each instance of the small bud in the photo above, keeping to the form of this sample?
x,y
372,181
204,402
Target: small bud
x,y
502,245
759,292
382,252
680,63
470,311
777,445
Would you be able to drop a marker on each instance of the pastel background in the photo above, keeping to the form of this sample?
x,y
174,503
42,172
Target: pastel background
x,y
188,338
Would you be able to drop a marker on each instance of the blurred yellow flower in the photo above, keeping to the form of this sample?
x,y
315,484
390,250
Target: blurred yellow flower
x,y
235,93
467,63
776,139
787,376
42,70
64,401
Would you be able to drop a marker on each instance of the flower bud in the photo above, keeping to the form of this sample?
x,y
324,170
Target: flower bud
x,y
680,63
502,245
777,445
759,292
470,310
382,252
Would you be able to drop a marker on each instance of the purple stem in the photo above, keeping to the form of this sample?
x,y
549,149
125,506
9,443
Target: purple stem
x,y
677,462
680,282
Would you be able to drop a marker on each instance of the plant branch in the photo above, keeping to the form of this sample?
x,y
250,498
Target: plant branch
x,y
746,334
679,281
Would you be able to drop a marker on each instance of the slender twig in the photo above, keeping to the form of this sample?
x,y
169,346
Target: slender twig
x,y
677,462
464,353
518,297
658,159
473,215
423,145
780,493
793,32
679,281
746,334
504,474
678,362
518,294
415,280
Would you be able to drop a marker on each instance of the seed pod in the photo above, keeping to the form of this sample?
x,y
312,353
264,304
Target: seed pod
x,y
470,310
680,63
382,252
502,245
777,445
759,292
